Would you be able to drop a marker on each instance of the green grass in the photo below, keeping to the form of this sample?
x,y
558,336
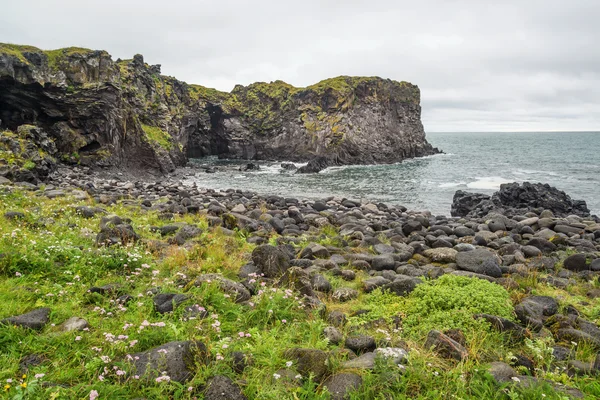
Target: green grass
x,y
158,137
49,259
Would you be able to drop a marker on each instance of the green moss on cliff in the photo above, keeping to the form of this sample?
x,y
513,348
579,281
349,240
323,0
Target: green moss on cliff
x,y
157,136
57,58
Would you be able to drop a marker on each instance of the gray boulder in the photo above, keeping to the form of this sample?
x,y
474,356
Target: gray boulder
x,y
479,261
176,359
35,319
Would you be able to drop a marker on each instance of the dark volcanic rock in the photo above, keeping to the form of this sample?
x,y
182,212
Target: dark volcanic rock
x,y
339,385
576,262
35,319
176,359
534,310
479,261
166,302
309,361
270,260
223,388
464,202
315,165
514,198
445,346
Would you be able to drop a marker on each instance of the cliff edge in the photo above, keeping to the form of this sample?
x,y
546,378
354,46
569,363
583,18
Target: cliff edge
x,y
125,113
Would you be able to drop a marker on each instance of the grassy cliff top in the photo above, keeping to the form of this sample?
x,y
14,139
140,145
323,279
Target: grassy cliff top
x,y
54,56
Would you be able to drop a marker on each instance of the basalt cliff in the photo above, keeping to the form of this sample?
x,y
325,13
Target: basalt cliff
x,y
78,105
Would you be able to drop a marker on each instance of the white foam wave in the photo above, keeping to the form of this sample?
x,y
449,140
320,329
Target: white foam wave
x,y
488,182
451,184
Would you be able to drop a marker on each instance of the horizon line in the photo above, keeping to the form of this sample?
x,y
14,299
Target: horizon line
x,y
533,131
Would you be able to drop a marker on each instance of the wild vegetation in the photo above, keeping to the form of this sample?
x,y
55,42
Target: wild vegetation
x,y
50,257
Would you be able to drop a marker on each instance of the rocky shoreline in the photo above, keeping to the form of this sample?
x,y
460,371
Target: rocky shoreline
x,y
503,239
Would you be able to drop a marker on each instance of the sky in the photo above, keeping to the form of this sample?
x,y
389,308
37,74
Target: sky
x,y
481,65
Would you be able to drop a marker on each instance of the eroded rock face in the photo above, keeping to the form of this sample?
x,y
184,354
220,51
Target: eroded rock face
x,y
126,113
515,199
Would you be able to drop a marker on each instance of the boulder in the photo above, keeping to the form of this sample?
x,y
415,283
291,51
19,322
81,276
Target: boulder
x,y
232,288
445,346
223,388
309,362
339,385
534,310
35,319
177,360
270,260
479,261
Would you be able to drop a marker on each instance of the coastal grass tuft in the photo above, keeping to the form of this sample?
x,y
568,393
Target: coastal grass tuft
x,y
158,137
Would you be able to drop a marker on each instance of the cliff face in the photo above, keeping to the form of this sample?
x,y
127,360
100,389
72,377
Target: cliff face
x,y
126,113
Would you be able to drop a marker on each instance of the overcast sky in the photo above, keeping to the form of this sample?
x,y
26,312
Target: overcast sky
x,y
482,65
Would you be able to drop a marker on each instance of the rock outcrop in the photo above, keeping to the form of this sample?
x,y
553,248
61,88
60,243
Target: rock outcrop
x,y
125,113
514,199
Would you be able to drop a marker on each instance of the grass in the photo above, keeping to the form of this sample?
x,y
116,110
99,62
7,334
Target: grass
x,y
49,259
158,137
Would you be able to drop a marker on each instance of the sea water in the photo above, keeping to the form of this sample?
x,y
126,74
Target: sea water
x,y
475,162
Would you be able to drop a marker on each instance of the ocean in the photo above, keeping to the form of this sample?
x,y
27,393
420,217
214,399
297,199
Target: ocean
x,y
475,162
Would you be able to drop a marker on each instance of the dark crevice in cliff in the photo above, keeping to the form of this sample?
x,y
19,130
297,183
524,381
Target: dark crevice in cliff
x,y
22,104
91,147
209,140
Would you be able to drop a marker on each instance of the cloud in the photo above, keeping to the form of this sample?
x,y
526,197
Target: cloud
x,y
480,64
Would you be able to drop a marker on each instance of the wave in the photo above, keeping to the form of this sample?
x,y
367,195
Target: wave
x,y
488,182
451,184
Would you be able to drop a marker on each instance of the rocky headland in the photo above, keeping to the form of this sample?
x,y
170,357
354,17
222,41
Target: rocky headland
x,y
124,113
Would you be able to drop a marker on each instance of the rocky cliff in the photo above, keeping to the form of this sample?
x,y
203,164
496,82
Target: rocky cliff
x,y
125,113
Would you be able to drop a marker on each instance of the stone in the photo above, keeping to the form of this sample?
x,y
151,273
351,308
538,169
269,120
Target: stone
x,y
296,278
341,384
270,260
576,262
402,285
176,359
479,261
333,335
382,248
14,215
239,208
502,372
500,324
167,302
320,283
373,283
223,388
114,230
185,233
337,318
464,202
445,346
531,251
31,360
35,319
309,362
396,355
344,294
383,262
237,290
360,343
441,254
74,324
365,361
544,245
534,310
